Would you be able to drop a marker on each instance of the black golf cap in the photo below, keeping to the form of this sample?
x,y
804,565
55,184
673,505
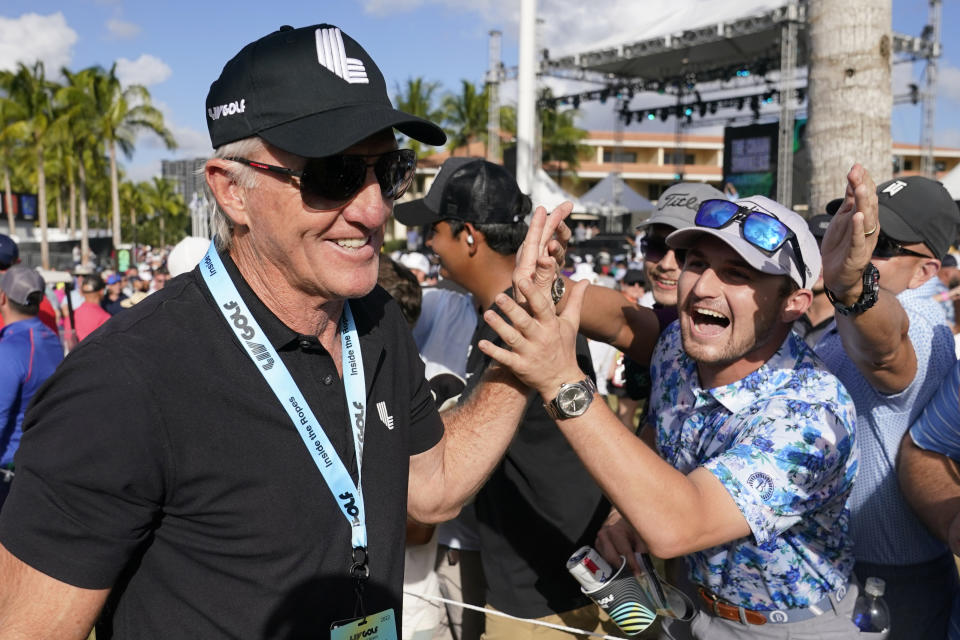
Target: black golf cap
x,y
311,91
468,189
818,225
918,209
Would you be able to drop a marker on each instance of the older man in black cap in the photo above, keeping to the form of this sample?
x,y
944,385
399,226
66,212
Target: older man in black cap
x,y
226,501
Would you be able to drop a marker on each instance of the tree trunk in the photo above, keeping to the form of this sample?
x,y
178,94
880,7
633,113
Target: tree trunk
x,y
114,194
72,198
42,207
61,219
84,221
8,196
850,94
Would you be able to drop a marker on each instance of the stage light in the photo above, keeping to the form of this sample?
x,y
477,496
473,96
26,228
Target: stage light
x,y
713,108
688,112
576,102
664,114
651,116
740,104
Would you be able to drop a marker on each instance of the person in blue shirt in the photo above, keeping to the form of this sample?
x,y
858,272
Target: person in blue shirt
x,y
755,453
891,347
30,352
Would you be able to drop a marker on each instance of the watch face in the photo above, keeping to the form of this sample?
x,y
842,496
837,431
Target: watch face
x,y
573,400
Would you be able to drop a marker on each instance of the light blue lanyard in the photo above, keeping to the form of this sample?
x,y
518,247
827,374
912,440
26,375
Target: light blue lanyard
x,y
265,357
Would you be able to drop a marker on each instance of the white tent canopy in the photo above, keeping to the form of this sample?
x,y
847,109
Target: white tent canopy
x,y
952,182
549,194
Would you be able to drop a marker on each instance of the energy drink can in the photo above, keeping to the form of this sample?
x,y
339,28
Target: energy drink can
x,y
589,568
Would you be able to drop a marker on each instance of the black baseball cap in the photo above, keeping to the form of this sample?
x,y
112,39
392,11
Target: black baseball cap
x,y
918,209
9,252
818,225
311,91
468,189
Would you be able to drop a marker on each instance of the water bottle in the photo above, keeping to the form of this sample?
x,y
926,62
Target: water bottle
x,y
870,613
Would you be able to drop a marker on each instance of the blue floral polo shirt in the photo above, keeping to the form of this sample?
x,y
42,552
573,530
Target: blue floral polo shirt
x,y
781,440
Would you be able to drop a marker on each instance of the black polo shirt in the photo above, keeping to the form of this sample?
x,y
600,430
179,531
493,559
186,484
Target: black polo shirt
x,y
538,506
194,496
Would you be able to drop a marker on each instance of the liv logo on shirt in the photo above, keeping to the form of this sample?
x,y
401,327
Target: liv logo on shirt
x,y
762,484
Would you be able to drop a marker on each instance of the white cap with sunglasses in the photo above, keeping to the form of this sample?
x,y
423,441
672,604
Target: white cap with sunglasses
x,y
749,226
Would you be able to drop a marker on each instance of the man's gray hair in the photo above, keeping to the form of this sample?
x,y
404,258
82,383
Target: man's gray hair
x,y
244,176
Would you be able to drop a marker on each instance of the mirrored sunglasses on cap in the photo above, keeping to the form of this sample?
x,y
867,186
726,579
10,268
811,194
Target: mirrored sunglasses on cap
x,y
762,230
332,181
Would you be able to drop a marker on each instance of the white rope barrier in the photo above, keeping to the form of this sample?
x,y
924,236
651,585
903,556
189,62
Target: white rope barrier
x,y
494,612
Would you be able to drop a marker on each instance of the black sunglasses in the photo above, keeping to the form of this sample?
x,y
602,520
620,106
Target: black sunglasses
x,y
887,247
330,182
653,248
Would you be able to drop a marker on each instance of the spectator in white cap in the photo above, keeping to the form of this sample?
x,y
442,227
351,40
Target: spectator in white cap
x,y
755,437
417,263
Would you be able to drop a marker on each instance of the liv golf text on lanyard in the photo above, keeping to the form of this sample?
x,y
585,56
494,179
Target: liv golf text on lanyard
x,y
265,357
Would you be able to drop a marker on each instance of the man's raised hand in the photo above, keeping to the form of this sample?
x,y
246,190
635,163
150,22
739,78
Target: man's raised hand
x,y
537,258
851,237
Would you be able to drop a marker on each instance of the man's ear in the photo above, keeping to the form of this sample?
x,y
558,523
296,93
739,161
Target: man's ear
x,y
228,194
796,305
925,270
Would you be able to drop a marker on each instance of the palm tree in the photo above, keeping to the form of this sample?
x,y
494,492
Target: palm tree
x,y
417,98
466,115
849,93
164,203
121,114
34,93
10,113
77,125
560,137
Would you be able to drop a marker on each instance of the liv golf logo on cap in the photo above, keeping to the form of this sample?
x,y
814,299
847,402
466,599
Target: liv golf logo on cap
x,y
332,55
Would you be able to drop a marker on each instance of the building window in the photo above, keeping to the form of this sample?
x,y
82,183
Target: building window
x,y
940,165
677,157
908,165
619,156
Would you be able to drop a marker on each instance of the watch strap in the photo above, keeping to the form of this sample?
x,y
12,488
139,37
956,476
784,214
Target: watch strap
x,y
868,295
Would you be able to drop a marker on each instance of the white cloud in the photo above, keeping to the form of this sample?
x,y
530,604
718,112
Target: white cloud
x,y
122,30
146,70
33,37
948,82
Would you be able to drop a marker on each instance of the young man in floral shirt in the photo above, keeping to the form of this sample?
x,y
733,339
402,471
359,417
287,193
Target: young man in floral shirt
x,y
755,437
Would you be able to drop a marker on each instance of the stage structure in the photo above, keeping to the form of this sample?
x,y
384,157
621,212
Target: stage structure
x,y
751,61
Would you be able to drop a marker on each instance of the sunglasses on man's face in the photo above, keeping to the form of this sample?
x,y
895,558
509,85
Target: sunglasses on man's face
x,y
760,229
887,247
653,248
330,182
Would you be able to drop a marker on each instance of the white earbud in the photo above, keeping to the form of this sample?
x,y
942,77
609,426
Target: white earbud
x,y
470,239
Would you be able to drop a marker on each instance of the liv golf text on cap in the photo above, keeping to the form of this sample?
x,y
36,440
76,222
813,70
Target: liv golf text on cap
x,y
311,91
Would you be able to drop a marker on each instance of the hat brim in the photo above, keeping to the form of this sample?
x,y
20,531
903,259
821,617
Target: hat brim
x,y
415,213
330,132
783,266
671,221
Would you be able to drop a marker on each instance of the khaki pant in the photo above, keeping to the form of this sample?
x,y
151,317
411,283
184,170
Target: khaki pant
x,y
588,618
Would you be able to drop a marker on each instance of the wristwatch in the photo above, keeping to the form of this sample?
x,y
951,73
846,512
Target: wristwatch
x,y
556,291
572,400
868,296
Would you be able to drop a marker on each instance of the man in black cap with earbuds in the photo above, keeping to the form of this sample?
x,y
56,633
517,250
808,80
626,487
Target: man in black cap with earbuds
x,y
256,486
540,504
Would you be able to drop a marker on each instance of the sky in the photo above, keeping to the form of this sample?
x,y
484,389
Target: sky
x,y
177,48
